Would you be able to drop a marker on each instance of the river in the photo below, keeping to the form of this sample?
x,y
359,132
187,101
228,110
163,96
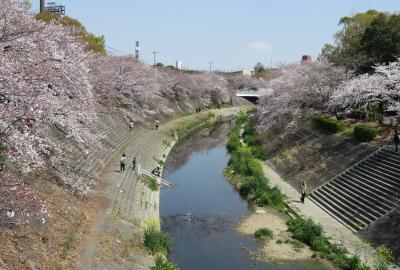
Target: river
x,y
201,212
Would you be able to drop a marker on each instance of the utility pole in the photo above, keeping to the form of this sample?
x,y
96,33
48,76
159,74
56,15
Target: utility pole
x,y
210,65
137,50
154,53
42,6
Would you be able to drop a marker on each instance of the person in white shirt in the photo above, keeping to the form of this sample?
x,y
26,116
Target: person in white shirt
x,y
122,162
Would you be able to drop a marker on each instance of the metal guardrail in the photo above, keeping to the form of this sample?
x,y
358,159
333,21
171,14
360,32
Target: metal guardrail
x,y
159,180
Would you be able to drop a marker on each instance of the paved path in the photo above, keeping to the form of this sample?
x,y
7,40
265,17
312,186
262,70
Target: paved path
x,y
338,232
127,203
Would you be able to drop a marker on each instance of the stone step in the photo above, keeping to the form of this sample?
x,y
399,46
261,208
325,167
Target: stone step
x,y
346,208
367,192
364,192
388,161
383,168
376,173
384,182
363,206
355,192
361,182
320,200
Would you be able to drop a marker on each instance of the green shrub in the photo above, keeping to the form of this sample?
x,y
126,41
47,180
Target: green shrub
x,y
255,168
233,143
163,264
153,184
259,152
328,124
320,244
211,114
384,258
244,162
365,133
304,230
276,198
156,241
264,233
123,103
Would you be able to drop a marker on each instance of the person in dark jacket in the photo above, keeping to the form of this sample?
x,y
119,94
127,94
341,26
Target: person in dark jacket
x,y
134,163
396,140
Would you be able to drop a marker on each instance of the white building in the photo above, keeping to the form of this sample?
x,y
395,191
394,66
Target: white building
x,y
179,65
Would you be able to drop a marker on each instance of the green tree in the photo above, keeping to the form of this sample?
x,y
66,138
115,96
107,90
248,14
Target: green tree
x,y
381,40
348,50
93,43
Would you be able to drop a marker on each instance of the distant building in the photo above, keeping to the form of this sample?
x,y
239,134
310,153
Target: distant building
x,y
179,65
235,73
306,58
259,68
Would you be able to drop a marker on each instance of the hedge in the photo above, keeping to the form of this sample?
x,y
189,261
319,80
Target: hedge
x,y
365,133
328,124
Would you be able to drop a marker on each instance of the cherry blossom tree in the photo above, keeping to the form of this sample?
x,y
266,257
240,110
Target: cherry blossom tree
x,y
44,84
382,87
300,88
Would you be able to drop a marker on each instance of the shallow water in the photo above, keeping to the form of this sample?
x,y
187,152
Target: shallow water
x,y
201,212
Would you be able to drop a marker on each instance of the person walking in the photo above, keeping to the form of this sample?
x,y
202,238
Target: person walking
x,y
396,140
122,163
134,163
131,126
157,123
303,190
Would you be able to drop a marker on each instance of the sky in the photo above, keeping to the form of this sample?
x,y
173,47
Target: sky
x,y
233,34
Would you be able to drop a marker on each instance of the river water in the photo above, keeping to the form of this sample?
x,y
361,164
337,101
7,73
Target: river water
x,y
201,212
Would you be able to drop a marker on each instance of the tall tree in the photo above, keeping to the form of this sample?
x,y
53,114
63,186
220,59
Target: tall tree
x,y
381,40
348,50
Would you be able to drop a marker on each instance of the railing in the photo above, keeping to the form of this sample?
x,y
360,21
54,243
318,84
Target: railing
x,y
159,180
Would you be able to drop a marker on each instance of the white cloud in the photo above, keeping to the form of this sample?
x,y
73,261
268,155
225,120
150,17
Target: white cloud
x,y
258,45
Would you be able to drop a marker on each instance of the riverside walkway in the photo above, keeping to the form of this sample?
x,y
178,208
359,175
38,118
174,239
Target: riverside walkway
x,y
334,229
124,202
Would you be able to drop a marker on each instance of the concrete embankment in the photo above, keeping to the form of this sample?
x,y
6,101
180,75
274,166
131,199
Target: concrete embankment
x,y
126,202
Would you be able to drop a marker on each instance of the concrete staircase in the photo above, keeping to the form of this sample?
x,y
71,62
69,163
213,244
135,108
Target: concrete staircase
x,y
114,133
363,193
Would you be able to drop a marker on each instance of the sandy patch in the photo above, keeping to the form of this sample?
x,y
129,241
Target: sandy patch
x,y
280,247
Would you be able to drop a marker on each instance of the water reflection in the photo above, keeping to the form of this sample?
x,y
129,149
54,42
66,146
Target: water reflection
x,y
202,210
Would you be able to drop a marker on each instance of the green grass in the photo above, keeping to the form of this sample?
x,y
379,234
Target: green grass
x,y
69,243
163,264
365,133
347,132
264,233
156,241
153,184
248,170
328,124
308,232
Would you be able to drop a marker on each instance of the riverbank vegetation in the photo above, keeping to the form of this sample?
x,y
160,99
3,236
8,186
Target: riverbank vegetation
x,y
160,244
310,233
245,168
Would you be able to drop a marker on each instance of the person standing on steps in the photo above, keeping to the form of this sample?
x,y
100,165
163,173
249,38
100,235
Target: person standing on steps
x,y
122,162
157,123
396,140
303,190
134,163
131,126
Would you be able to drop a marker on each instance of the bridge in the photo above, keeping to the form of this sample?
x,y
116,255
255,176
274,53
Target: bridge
x,y
251,94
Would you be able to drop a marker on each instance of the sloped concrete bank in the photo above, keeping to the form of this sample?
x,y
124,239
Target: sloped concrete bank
x,y
124,201
318,157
